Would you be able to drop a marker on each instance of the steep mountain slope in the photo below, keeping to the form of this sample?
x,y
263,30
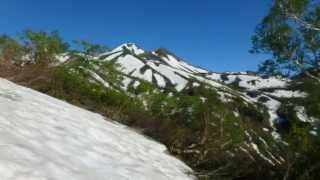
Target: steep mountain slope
x,y
223,125
159,67
166,71
45,138
205,102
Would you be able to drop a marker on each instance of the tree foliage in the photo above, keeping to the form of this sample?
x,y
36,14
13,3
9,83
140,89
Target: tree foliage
x,y
10,49
291,34
90,49
43,47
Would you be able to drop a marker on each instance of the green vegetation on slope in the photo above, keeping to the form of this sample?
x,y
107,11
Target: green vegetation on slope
x,y
218,139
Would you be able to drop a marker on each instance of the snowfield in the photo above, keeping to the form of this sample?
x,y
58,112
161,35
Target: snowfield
x,y
42,138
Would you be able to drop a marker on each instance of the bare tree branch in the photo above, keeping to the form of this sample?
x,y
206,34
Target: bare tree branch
x,y
298,19
301,66
302,22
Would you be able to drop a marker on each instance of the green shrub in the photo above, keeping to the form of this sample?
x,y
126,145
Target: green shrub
x,y
43,46
10,49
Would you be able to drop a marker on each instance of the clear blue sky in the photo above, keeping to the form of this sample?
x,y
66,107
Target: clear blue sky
x,y
210,33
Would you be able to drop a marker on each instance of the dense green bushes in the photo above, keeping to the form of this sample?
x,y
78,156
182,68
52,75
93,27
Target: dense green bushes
x,y
312,102
304,146
198,128
196,124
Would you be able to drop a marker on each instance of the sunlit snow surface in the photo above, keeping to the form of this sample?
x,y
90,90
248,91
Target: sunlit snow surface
x,y
42,138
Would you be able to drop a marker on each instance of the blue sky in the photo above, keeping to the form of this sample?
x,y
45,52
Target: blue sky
x,y
210,33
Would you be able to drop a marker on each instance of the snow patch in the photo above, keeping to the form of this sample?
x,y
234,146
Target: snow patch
x,y
280,93
302,114
44,138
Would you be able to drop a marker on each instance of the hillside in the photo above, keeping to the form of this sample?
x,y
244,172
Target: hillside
x,y
167,72
223,125
45,138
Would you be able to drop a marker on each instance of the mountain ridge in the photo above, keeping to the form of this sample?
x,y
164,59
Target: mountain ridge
x,y
173,72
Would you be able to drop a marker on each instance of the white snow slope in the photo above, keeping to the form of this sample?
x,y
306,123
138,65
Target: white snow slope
x,y
42,138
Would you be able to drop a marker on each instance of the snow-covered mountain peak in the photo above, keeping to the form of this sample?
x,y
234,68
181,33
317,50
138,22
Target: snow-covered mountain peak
x,y
132,47
165,69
